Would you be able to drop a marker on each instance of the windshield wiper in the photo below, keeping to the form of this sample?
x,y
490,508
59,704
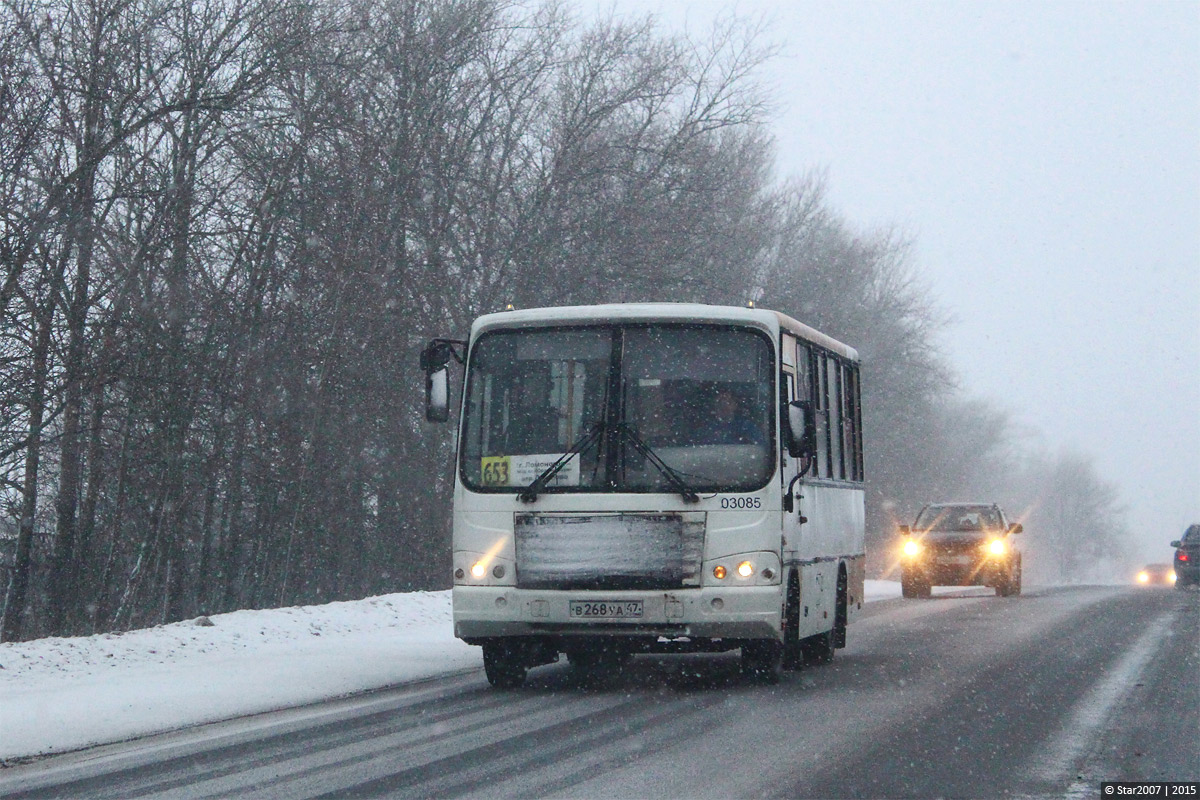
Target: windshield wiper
x,y
666,469
530,493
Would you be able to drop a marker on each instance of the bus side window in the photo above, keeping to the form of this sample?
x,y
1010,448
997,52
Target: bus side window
x,y
836,445
820,381
852,421
803,374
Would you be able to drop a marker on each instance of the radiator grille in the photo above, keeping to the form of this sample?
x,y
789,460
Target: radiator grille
x,y
609,551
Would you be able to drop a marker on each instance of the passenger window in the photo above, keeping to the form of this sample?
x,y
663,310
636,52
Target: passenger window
x,y
836,449
803,374
850,423
821,385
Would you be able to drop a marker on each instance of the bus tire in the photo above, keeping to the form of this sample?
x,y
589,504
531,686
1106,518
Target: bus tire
x,y
762,660
502,666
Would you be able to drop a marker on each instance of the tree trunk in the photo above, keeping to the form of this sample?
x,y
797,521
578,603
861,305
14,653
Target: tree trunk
x,y
13,623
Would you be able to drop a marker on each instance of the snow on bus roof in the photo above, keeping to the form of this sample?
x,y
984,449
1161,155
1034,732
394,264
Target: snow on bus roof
x,y
671,312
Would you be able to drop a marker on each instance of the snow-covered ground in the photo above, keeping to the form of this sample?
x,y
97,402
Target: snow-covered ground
x,y
64,694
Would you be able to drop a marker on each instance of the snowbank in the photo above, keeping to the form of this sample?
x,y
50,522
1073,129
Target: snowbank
x,y
62,694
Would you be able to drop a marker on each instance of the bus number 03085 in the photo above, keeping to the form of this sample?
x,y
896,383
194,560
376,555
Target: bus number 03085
x,y
741,502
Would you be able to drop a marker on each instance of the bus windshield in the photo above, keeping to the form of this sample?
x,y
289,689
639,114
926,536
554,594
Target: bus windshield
x,y
697,397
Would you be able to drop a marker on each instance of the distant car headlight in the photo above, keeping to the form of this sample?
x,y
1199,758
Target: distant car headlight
x,y
911,548
1143,577
997,547
1171,576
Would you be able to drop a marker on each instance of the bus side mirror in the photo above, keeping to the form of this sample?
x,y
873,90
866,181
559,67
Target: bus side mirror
x,y
1016,527
434,360
802,430
437,395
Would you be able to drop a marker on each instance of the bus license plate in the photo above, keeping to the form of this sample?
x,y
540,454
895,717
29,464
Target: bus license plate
x,y
606,609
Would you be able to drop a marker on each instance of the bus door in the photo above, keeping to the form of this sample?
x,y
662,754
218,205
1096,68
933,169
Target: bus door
x,y
795,387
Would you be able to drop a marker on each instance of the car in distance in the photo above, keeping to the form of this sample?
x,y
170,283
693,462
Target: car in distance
x,y
960,544
1156,575
1187,557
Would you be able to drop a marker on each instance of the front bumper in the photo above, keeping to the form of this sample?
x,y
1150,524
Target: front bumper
x,y
957,572
739,613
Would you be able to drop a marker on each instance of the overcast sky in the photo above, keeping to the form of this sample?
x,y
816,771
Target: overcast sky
x,y
1045,157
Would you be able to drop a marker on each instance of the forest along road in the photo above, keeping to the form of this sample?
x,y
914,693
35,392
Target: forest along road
x,y
962,695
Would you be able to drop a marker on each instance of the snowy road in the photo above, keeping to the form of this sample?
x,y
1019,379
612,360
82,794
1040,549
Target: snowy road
x,y
964,695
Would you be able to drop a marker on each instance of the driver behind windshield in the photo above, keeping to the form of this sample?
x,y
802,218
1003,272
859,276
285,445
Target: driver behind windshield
x,y
724,419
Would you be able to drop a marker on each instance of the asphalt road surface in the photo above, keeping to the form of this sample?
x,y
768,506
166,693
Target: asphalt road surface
x,y
968,695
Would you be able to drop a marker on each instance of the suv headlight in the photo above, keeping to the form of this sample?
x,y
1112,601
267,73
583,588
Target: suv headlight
x,y
997,547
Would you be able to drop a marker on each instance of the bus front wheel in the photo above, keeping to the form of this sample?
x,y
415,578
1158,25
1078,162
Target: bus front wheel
x,y
503,667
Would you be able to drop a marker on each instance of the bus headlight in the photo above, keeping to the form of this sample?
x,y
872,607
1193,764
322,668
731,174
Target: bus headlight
x,y
997,547
472,568
744,569
911,548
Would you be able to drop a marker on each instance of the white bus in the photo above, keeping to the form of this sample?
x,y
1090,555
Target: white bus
x,y
653,478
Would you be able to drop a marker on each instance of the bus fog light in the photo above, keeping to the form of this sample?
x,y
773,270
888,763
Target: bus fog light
x,y
745,569
768,574
479,570
501,602
719,572
498,570
717,604
459,574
